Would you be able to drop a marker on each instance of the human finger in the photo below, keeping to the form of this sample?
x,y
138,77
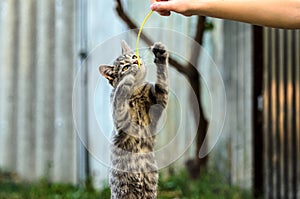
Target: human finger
x,y
165,13
162,6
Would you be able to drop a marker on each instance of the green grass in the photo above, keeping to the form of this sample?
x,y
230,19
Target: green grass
x,y
44,191
209,186
179,185
12,188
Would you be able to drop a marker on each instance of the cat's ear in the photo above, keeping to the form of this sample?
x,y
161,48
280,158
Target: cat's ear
x,y
125,48
107,71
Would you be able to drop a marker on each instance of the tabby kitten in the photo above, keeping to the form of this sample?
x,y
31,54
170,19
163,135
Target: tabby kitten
x,y
137,106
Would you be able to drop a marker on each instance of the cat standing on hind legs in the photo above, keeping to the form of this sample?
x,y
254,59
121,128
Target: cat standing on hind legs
x,y
137,106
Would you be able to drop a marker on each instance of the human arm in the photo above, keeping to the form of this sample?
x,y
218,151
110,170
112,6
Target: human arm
x,y
271,13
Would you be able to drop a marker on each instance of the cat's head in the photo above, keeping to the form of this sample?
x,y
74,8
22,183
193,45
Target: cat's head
x,y
125,64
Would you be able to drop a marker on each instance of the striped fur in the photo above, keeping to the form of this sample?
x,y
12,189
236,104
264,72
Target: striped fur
x,y
137,106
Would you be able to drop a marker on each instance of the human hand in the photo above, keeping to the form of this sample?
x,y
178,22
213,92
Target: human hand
x,y
184,7
154,8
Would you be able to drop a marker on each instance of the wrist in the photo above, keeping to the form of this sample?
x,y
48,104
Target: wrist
x,y
203,7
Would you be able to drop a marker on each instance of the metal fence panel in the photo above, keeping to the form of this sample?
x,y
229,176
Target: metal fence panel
x,y
281,113
37,71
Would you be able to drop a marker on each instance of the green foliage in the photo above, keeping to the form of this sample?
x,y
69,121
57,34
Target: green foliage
x,y
209,186
44,191
209,26
12,189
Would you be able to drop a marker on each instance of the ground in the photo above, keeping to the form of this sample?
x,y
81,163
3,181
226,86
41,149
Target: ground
x,y
177,185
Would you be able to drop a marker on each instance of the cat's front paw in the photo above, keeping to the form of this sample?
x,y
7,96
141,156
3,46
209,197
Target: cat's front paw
x,y
160,52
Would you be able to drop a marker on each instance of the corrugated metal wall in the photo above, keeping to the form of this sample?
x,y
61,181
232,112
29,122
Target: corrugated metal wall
x,y
237,74
281,113
37,70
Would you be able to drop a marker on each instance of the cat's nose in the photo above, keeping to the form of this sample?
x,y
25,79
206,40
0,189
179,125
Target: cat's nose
x,y
136,62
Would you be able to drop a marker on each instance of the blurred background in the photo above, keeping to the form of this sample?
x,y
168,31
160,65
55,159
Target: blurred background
x,y
43,48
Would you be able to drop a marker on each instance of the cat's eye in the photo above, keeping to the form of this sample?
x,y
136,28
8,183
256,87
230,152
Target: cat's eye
x,y
125,68
134,57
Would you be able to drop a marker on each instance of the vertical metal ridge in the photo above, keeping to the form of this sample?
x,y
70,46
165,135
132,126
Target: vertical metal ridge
x,y
9,70
266,107
45,89
297,107
272,120
294,78
64,67
277,114
297,88
83,170
26,91
248,104
284,112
